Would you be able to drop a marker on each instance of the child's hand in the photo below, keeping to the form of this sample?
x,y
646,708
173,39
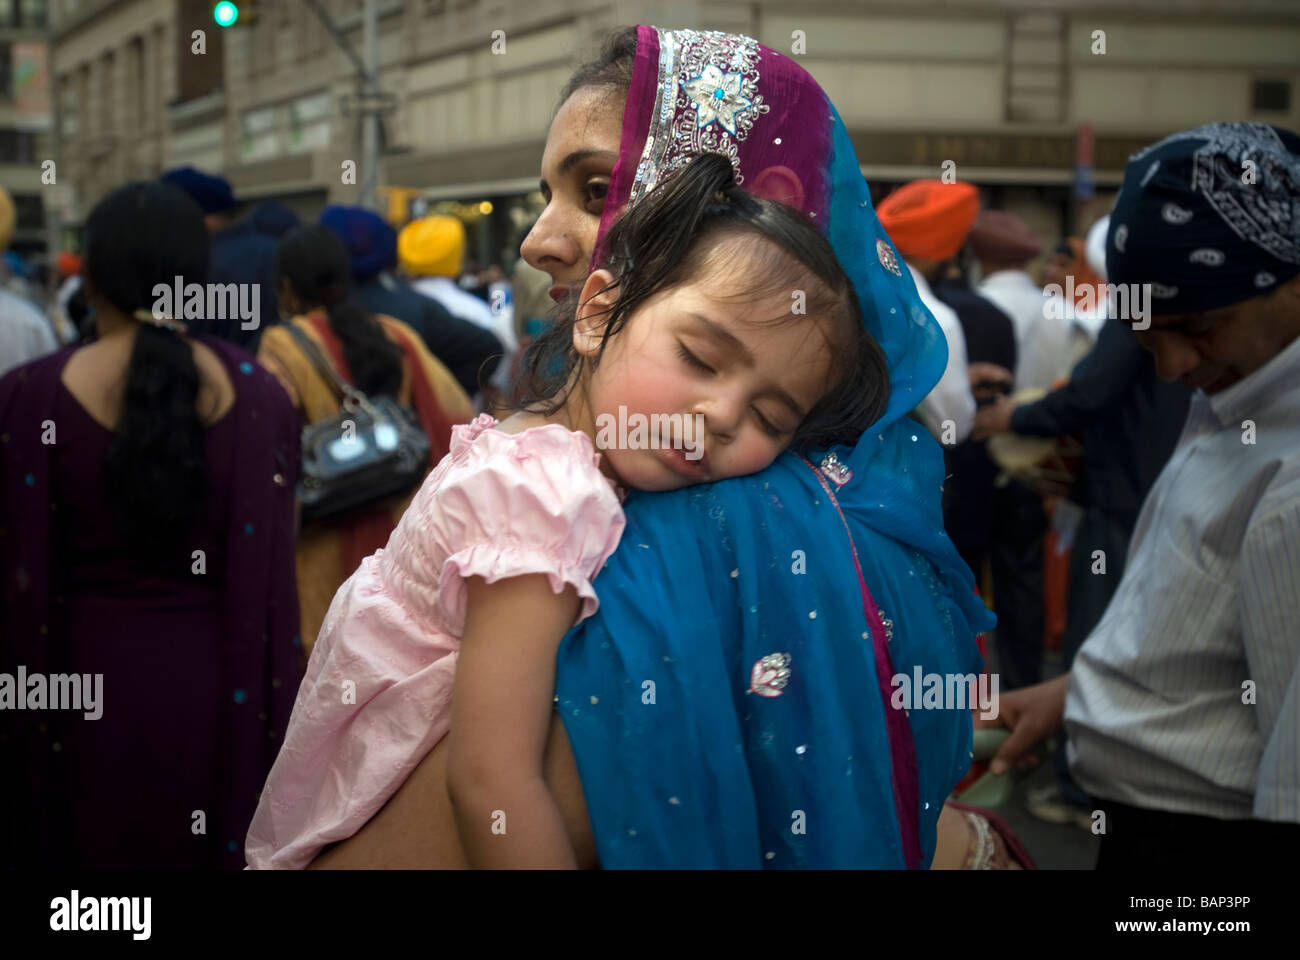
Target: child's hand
x,y
501,711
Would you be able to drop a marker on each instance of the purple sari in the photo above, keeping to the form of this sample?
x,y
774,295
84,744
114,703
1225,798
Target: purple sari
x,y
199,661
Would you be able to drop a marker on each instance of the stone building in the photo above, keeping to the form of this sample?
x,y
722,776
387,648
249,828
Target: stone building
x,y
1018,95
25,118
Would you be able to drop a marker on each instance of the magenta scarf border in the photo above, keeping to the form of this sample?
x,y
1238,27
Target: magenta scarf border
x,y
902,748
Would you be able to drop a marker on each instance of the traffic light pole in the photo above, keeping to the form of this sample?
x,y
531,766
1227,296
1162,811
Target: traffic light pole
x,y
371,102
370,108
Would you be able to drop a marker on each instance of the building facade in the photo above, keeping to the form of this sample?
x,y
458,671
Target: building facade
x,y
25,118
1038,102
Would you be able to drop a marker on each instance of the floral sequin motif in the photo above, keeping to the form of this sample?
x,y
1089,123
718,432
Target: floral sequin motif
x,y
706,102
717,98
770,675
836,471
888,260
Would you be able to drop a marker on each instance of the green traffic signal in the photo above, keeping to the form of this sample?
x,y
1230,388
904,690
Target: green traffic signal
x,y
225,13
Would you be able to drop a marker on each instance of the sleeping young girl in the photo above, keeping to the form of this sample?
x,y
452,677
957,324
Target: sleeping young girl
x,y
719,311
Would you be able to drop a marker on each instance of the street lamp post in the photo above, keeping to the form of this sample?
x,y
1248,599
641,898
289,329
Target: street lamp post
x,y
372,102
370,109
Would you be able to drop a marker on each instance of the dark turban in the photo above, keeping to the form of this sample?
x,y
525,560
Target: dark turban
x,y
371,242
1001,237
212,194
1209,217
273,219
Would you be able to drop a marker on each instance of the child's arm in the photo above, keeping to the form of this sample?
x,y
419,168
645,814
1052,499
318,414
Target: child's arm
x,y
501,712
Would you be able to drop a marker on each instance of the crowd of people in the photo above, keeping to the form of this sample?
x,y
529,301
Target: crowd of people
x,y
632,657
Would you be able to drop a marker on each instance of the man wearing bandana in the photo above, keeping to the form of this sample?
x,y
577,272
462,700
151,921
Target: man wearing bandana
x,y
1183,705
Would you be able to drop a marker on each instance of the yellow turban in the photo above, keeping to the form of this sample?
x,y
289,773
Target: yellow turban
x,y
432,246
6,218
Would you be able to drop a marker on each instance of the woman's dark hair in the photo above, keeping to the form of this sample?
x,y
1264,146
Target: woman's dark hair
x,y
315,260
140,235
669,238
611,69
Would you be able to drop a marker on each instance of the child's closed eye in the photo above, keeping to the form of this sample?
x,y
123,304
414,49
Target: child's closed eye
x,y
692,360
767,427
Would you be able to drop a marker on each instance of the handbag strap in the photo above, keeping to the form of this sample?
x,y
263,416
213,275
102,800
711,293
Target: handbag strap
x,y
341,388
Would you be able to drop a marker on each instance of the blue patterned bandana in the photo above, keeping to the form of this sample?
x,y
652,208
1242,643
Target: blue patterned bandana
x,y
1209,217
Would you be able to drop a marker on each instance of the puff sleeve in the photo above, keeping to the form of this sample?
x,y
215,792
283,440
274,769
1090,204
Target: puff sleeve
x,y
516,504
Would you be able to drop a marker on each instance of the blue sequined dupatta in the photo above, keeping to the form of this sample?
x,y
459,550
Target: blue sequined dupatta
x,y
730,704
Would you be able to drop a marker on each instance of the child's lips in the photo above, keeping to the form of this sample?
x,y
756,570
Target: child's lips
x,y
558,292
678,461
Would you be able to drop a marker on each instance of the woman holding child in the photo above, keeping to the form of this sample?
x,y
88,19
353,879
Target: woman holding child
x,y
731,702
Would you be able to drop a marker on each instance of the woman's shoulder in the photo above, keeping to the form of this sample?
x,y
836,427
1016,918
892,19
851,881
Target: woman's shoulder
x,y
278,334
251,380
35,376
406,337
392,325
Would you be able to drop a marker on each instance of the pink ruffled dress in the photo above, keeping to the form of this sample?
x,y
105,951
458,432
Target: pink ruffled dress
x,y
377,694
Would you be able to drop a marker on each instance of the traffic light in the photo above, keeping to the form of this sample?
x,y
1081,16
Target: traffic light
x,y
225,13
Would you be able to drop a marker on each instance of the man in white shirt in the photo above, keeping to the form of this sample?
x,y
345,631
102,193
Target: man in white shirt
x,y
1183,705
24,332
1003,244
431,251
928,220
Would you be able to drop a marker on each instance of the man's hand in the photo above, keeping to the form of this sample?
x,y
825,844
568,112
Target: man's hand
x,y
987,380
1032,714
994,418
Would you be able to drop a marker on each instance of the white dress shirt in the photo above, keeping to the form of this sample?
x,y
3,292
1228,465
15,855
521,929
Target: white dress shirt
x,y
1041,338
951,398
465,305
1207,614
24,332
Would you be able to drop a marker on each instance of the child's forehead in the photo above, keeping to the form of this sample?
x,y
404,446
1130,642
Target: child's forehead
x,y
749,267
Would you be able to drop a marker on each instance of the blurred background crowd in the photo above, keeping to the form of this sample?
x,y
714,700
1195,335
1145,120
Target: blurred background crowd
x,y
993,135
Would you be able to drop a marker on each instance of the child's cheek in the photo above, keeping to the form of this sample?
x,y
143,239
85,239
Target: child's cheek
x,y
751,455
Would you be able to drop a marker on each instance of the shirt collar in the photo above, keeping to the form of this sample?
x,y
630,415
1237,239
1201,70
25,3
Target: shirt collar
x,y
1011,278
922,284
1263,388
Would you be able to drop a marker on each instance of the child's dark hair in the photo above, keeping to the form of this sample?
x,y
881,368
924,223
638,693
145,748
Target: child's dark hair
x,y
316,262
143,234
664,241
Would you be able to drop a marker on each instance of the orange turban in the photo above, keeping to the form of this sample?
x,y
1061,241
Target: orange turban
x,y
68,264
929,218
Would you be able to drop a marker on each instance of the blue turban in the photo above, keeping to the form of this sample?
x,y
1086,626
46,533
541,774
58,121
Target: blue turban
x,y
273,219
1209,217
212,194
371,242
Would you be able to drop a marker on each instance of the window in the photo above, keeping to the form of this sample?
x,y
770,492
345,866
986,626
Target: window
x,y
140,105
259,134
1272,96
309,122
28,14
108,78
17,146
32,13
68,108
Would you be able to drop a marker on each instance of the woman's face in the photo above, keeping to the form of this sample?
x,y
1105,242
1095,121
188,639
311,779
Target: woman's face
x,y
581,150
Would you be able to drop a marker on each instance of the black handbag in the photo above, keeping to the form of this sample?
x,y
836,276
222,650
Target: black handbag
x,y
369,451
